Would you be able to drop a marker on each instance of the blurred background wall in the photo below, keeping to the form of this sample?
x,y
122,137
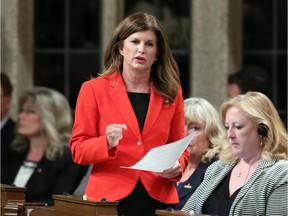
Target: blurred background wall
x,y
60,43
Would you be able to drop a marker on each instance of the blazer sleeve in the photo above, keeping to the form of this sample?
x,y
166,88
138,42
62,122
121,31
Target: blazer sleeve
x,y
177,127
277,203
276,206
86,145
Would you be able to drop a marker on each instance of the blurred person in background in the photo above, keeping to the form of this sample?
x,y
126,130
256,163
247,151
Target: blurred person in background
x,y
250,78
7,123
43,162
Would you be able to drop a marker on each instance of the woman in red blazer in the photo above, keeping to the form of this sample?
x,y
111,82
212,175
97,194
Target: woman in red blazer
x,y
134,105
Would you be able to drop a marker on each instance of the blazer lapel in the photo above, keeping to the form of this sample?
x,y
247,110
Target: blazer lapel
x,y
155,106
264,163
121,101
214,180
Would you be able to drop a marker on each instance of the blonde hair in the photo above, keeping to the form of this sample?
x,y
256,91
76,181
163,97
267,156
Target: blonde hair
x,y
201,111
165,72
56,119
260,110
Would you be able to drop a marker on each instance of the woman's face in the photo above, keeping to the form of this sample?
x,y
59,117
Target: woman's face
x,y
139,51
29,120
242,133
200,142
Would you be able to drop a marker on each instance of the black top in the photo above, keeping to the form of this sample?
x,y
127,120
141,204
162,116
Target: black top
x,y
219,202
140,103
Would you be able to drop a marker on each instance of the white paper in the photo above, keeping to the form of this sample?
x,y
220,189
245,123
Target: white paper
x,y
163,157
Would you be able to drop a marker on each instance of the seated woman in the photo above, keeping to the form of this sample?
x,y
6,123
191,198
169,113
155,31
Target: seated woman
x,y
200,117
43,162
250,177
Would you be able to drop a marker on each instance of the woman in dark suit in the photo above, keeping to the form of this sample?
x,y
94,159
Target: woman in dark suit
x,y
43,162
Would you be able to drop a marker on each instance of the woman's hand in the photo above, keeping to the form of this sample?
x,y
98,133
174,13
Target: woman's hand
x,y
172,172
114,134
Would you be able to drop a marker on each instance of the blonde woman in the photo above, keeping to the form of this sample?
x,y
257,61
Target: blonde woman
x,y
203,119
251,176
43,162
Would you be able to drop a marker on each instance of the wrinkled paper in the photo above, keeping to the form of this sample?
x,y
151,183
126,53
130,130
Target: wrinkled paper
x,y
163,157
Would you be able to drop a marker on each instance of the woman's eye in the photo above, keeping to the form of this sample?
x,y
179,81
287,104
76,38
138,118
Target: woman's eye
x,y
150,44
134,41
238,127
193,128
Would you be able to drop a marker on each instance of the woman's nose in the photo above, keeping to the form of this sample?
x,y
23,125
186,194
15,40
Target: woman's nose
x,y
141,48
230,133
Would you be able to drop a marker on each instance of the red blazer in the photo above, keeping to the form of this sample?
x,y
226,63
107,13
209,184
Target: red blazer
x,y
104,101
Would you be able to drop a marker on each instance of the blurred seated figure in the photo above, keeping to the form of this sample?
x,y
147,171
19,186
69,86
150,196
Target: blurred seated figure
x,y
234,87
202,118
43,162
249,78
7,123
250,177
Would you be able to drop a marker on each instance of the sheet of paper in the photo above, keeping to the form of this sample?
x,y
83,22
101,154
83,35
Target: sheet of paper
x,y
163,157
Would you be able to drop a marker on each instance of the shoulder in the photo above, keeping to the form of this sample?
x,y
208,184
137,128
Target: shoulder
x,y
95,82
10,122
218,168
218,165
65,157
98,83
278,169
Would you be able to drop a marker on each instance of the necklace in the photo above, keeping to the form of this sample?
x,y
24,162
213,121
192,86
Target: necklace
x,y
240,173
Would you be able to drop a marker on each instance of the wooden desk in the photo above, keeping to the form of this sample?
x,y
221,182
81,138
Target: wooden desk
x,y
13,201
175,213
12,193
9,193
49,211
69,205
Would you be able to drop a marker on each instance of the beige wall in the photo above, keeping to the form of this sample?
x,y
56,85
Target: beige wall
x,y
17,45
215,47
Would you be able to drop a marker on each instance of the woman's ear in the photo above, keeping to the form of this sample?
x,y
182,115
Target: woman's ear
x,y
120,49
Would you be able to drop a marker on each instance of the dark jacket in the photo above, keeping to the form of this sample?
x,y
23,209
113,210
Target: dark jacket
x,y
187,188
49,177
7,135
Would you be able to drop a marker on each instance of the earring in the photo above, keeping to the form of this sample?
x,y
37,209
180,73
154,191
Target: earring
x,y
261,141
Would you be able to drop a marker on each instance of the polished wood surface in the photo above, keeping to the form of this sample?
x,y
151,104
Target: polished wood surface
x,y
176,213
76,204
12,193
13,201
9,193
171,212
49,211
69,205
